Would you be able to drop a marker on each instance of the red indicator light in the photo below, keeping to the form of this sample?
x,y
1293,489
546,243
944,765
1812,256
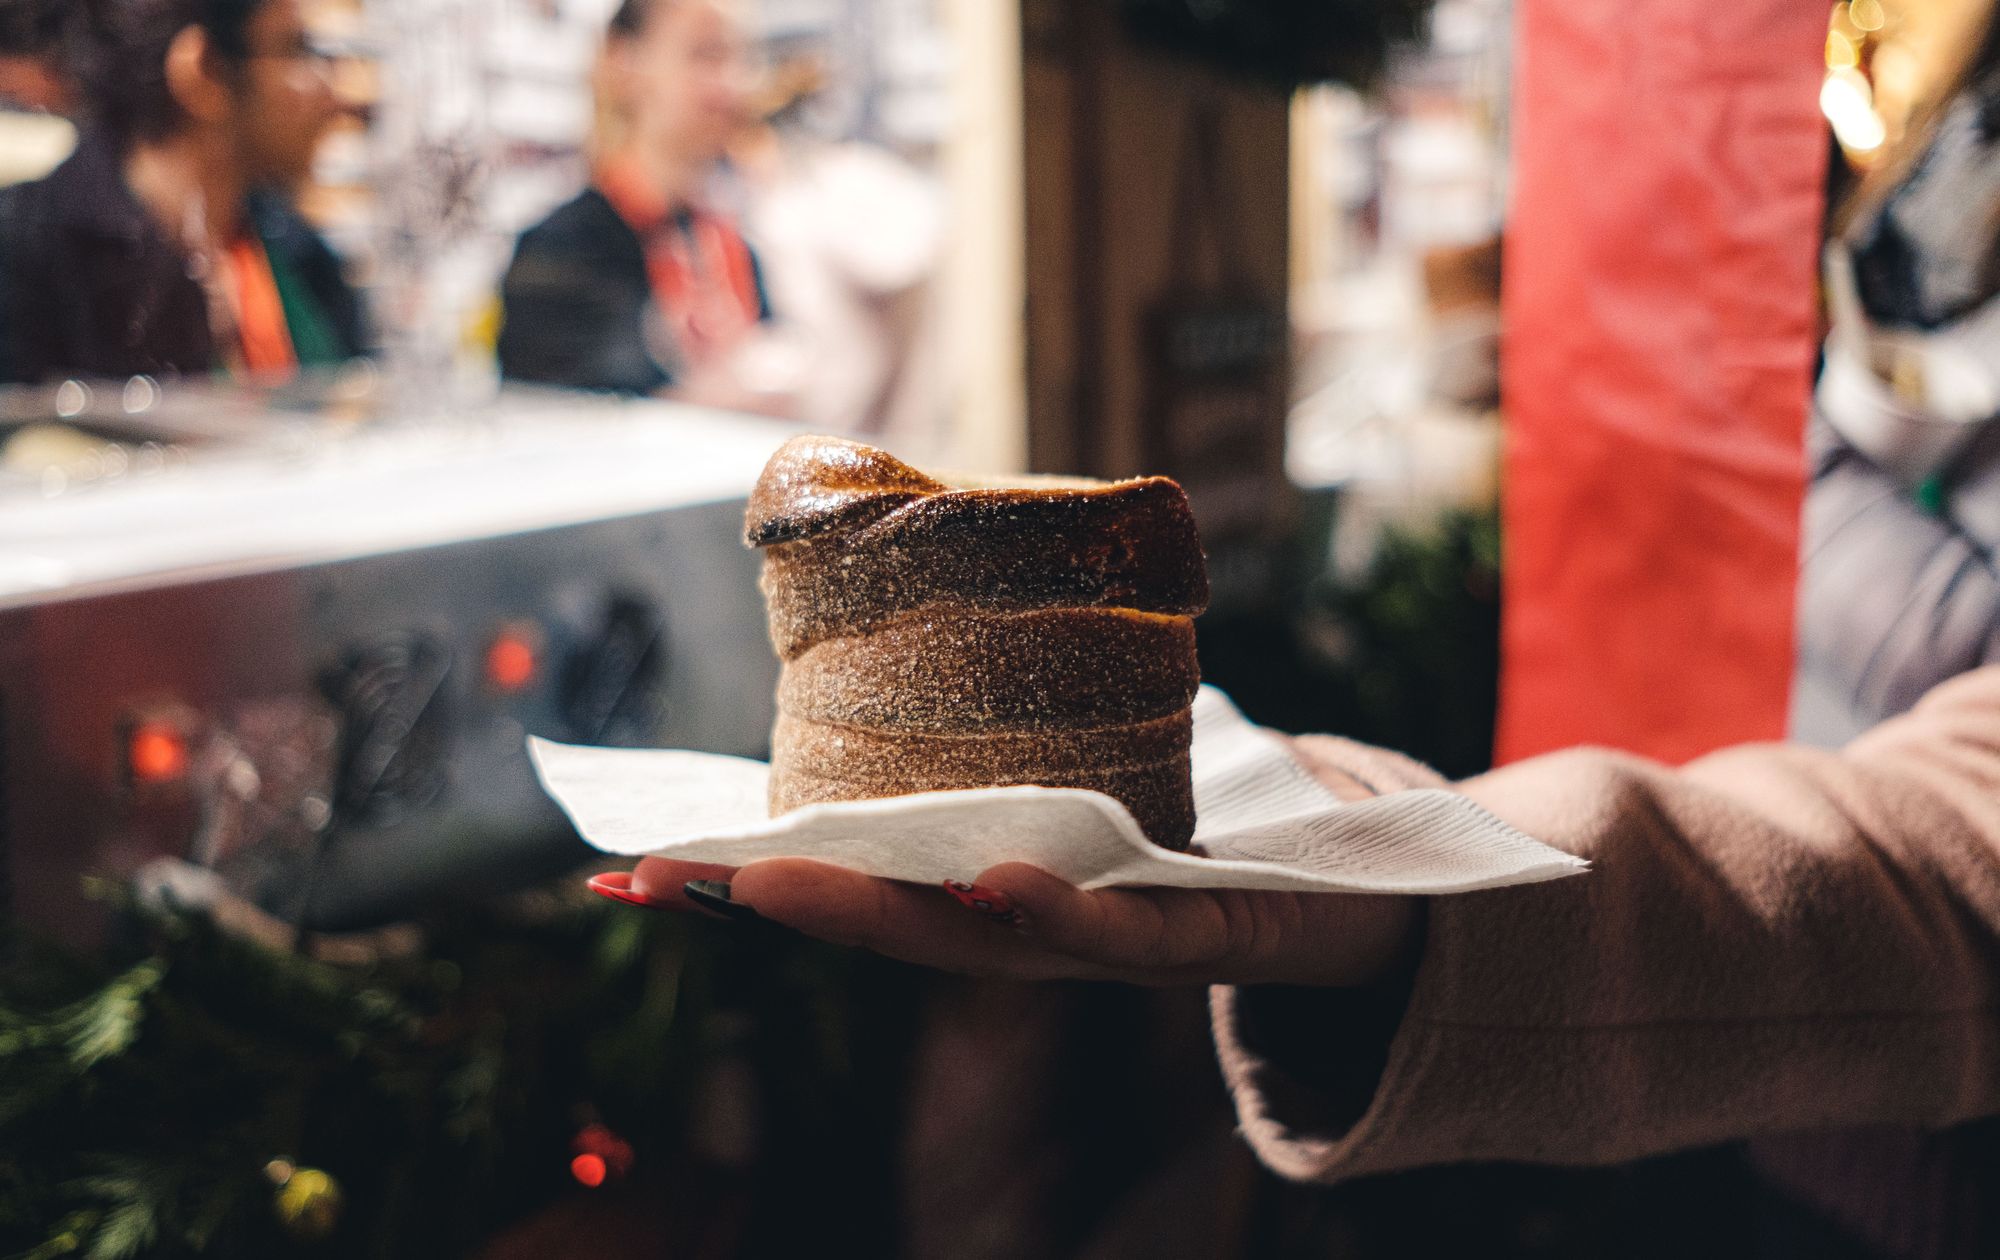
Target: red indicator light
x,y
601,1156
156,753
510,661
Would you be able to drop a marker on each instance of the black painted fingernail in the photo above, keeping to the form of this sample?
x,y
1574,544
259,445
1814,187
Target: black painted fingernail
x,y
713,894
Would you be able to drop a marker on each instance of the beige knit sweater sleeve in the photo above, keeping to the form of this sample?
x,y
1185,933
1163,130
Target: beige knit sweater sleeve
x,y
1771,938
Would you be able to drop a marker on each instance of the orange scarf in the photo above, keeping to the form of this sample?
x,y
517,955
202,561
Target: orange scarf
x,y
262,335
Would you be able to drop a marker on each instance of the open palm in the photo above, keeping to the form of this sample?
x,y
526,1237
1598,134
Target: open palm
x,y
1021,922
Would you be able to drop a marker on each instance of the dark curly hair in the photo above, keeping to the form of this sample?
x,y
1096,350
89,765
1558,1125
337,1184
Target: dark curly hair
x,y
631,17
31,28
118,57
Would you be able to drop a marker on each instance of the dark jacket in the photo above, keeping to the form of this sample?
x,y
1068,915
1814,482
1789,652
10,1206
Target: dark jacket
x,y
1895,595
90,285
579,304
1899,587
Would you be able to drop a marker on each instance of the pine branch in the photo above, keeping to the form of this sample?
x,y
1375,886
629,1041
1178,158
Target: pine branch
x,y
126,1231
188,1072
137,1194
67,1238
41,1054
106,1024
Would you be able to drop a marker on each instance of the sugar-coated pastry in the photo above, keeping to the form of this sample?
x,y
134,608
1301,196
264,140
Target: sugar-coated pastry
x,y
942,634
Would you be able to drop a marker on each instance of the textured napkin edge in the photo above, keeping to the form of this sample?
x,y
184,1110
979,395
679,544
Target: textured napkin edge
x,y
1144,862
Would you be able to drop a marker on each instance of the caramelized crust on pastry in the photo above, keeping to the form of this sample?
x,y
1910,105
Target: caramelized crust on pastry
x,y
938,635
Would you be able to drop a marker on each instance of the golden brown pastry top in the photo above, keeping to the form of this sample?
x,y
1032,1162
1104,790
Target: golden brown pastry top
x,y
854,537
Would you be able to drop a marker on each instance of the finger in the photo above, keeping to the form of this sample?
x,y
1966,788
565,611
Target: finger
x,y
1152,935
1317,754
911,922
1226,935
660,881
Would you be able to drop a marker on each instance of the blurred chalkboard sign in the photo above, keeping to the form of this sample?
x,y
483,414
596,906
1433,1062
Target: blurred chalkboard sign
x,y
1216,353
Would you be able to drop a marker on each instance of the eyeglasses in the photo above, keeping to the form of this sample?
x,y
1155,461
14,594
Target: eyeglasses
x,y
304,56
305,49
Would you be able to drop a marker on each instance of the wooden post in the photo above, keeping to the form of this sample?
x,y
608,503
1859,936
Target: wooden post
x,y
1156,273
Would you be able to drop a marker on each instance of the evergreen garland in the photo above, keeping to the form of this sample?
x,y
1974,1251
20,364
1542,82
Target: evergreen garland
x,y
1421,633
1405,655
143,1105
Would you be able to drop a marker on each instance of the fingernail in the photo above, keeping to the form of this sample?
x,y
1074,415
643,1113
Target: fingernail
x,y
996,906
617,885
713,894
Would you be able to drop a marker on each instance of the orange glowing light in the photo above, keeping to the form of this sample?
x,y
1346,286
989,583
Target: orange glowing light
x,y
510,661
588,1169
156,753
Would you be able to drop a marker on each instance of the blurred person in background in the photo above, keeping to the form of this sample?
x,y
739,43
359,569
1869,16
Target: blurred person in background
x,y
853,235
36,97
1900,589
31,75
639,283
167,242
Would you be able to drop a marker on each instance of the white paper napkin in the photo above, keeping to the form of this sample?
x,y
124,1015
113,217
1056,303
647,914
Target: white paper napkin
x,y
1262,819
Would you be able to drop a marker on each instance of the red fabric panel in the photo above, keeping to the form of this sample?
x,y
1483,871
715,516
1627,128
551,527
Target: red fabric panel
x,y
1659,315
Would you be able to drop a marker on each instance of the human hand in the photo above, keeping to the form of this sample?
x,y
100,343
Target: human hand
x,y
1021,922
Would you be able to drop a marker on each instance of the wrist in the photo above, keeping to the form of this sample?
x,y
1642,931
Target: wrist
x,y
1323,1049
1389,940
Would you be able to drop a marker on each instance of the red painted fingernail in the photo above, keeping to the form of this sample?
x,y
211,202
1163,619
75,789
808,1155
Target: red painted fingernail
x,y
617,885
997,906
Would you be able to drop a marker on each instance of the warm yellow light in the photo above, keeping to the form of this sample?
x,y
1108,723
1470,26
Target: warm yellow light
x,y
1840,51
1896,74
1849,105
1867,15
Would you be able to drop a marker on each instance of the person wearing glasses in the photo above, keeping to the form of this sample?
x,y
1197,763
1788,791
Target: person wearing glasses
x,y
167,243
